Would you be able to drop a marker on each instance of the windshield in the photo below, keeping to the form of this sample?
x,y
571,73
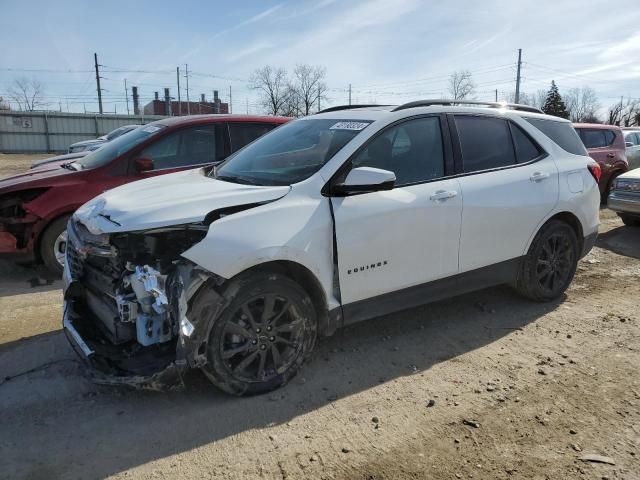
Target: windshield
x,y
290,153
117,132
117,147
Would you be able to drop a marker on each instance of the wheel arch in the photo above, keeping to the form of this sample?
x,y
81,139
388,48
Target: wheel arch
x,y
567,217
307,280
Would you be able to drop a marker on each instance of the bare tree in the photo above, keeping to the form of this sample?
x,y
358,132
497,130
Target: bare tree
x,y
309,86
625,114
273,87
582,104
27,93
461,85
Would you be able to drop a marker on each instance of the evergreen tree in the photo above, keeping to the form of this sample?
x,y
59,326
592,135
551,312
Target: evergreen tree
x,y
554,105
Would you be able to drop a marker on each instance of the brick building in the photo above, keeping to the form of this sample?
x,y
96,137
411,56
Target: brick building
x,y
159,107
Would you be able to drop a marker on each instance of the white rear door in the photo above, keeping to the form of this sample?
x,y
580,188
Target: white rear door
x,y
509,186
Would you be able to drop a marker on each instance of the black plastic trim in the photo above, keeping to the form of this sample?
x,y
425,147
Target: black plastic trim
x,y
478,279
449,103
588,243
337,108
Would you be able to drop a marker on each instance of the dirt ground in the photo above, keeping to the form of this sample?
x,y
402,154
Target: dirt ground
x,y
483,386
11,164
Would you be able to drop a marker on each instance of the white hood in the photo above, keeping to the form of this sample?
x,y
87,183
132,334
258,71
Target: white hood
x,y
173,199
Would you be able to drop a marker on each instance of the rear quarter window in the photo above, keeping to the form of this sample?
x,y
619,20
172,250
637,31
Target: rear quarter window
x,y
562,133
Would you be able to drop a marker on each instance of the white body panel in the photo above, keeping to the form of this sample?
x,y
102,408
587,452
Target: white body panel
x,y
173,199
502,209
396,239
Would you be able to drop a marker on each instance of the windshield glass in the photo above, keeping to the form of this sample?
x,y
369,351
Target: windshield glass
x,y
117,147
290,153
117,132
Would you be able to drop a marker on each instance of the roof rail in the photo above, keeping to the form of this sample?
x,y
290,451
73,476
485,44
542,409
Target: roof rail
x,y
350,107
428,103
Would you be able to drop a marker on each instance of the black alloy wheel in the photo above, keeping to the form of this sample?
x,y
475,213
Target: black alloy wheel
x,y
548,268
261,336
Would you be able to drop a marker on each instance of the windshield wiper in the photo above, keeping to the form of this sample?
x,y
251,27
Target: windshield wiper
x,y
69,166
237,179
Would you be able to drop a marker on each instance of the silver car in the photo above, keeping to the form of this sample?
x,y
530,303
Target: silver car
x,y
624,198
90,145
632,144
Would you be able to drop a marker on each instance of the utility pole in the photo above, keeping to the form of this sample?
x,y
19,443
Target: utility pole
x,y
95,60
496,94
318,98
518,76
230,101
349,94
186,75
178,80
247,101
126,95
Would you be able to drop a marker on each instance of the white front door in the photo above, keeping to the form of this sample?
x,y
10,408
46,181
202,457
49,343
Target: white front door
x,y
503,207
391,240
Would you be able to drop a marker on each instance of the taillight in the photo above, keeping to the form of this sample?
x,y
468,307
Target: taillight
x,y
595,170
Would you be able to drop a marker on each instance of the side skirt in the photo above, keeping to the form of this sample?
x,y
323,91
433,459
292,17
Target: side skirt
x,y
497,274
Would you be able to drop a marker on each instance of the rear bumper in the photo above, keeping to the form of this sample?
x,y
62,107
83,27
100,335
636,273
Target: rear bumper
x,y
626,204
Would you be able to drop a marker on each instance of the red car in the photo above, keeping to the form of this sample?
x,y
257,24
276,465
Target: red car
x,y
605,144
35,205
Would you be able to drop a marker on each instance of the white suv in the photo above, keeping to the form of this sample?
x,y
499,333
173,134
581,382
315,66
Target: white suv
x,y
328,220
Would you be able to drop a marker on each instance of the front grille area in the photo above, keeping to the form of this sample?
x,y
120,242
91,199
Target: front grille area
x,y
73,260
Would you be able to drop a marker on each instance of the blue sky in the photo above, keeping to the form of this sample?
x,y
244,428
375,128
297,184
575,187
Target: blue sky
x,y
390,51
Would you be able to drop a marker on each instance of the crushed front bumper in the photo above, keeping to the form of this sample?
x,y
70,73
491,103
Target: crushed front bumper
x,y
153,370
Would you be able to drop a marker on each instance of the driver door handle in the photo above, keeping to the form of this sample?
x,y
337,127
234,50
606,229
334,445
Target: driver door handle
x,y
539,176
443,195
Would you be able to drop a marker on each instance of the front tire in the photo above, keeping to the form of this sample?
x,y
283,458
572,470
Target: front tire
x,y
549,266
262,336
53,244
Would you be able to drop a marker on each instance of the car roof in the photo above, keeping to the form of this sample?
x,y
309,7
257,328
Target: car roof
x,y
214,118
378,112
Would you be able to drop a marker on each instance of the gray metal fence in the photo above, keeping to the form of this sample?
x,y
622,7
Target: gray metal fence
x,y
49,132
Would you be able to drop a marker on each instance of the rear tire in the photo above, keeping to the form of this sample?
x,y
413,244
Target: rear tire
x,y
549,266
629,220
259,340
52,245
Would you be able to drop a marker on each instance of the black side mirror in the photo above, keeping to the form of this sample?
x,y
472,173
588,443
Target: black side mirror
x,y
143,164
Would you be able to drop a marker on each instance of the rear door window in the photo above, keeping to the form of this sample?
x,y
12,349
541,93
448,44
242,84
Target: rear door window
x,y
526,149
562,133
244,133
596,137
190,146
485,143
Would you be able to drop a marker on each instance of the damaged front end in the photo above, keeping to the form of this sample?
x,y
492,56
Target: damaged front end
x,y
17,222
126,304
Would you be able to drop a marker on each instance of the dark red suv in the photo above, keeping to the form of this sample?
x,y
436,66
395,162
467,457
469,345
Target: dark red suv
x,y
605,144
35,205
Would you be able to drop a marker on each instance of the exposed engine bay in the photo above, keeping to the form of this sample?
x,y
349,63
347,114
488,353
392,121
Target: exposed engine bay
x,y
127,296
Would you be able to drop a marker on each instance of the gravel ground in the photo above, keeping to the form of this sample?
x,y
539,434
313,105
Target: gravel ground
x,y
485,385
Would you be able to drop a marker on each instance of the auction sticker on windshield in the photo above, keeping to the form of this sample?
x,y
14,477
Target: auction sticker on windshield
x,y
349,126
151,129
